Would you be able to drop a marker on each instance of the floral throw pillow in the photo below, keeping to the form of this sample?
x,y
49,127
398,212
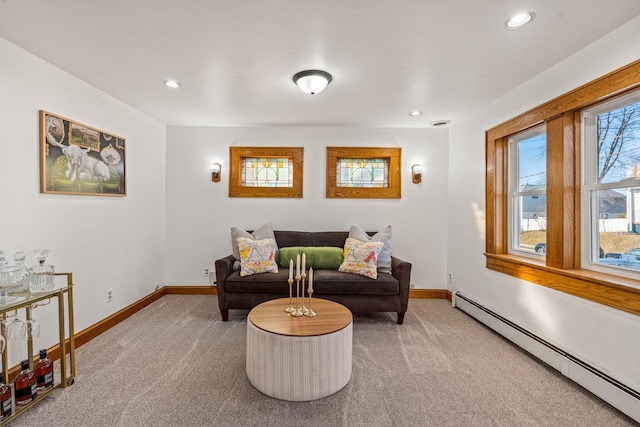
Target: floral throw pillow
x,y
361,257
257,256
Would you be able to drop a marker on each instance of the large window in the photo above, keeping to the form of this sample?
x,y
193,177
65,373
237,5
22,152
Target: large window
x,y
592,192
611,191
527,191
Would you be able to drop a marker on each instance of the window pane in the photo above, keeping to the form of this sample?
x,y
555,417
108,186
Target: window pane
x,y
532,163
528,182
617,228
369,173
267,172
532,224
619,144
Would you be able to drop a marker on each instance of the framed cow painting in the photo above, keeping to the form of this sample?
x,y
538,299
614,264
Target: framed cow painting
x,y
79,159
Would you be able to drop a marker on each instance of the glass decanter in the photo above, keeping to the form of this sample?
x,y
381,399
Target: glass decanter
x,y
10,278
19,258
42,275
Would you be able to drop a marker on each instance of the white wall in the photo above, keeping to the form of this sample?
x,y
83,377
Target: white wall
x,y
602,336
200,213
107,242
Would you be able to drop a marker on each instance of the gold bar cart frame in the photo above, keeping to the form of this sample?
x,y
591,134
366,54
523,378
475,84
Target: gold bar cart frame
x,y
59,351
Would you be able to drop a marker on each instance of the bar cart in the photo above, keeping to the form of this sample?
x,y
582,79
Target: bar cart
x,y
28,301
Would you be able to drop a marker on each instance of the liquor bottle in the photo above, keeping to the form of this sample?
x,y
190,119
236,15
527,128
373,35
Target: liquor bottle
x,y
25,385
44,372
6,408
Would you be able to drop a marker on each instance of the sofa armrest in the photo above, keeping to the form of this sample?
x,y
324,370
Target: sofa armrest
x,y
224,268
401,270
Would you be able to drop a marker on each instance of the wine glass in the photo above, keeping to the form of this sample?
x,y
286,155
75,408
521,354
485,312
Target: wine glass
x,y
14,329
30,328
3,345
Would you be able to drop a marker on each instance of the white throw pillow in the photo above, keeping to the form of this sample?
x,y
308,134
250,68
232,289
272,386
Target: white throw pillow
x,y
361,258
384,236
265,231
257,256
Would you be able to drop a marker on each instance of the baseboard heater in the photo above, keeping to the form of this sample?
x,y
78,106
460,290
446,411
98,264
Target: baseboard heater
x,y
617,394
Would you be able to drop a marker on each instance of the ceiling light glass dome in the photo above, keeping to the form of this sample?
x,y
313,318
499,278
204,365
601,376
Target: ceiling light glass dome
x,y
312,81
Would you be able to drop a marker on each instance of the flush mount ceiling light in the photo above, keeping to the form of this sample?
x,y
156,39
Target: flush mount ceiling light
x,y
415,113
519,20
312,81
172,84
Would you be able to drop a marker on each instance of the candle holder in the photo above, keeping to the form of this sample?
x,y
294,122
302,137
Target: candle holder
x,y
296,311
290,309
310,312
304,309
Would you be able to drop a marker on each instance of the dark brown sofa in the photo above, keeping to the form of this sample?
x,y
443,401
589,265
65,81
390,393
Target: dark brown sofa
x,y
387,293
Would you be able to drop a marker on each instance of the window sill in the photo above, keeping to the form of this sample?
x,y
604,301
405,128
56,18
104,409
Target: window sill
x,y
614,291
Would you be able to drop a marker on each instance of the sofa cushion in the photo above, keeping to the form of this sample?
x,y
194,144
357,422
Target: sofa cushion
x,y
273,283
264,232
361,258
257,256
384,236
332,282
325,257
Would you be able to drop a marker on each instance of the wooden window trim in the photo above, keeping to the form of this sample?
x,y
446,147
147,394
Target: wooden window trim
x,y
561,269
236,154
393,191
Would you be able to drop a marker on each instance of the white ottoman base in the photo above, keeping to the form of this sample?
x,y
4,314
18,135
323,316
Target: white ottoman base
x,y
299,368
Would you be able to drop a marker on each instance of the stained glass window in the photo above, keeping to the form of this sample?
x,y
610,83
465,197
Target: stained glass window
x,y
367,173
267,172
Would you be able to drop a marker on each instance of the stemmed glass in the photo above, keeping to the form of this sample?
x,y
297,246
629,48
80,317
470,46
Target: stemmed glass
x,y
30,328
14,329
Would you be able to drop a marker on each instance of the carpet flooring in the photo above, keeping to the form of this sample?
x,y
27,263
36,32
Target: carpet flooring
x,y
175,363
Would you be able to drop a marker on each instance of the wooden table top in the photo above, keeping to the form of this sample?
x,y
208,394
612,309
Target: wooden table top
x,y
271,317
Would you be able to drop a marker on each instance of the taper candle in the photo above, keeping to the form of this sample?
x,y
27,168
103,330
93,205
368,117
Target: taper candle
x,y
291,270
311,278
304,262
298,266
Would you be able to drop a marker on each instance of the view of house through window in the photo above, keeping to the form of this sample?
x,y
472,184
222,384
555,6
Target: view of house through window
x,y
527,191
611,190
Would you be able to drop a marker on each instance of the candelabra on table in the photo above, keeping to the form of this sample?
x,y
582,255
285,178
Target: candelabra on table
x,y
300,309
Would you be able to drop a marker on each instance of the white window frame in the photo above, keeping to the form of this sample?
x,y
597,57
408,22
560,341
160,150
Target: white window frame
x,y
515,194
590,186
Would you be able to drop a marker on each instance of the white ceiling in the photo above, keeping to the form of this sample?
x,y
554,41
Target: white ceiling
x,y
235,59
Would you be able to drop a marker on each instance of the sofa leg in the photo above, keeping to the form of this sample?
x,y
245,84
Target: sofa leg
x,y
400,317
225,314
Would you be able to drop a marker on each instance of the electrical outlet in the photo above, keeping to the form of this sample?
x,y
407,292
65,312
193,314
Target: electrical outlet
x,y
206,272
109,295
450,277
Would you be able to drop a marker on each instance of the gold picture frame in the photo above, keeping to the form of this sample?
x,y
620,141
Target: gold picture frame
x,y
79,159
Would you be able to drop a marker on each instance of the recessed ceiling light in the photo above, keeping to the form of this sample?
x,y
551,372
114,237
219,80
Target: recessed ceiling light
x,y
519,20
415,113
440,123
172,84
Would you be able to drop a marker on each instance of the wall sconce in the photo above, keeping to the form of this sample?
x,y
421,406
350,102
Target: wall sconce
x,y
416,174
215,172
